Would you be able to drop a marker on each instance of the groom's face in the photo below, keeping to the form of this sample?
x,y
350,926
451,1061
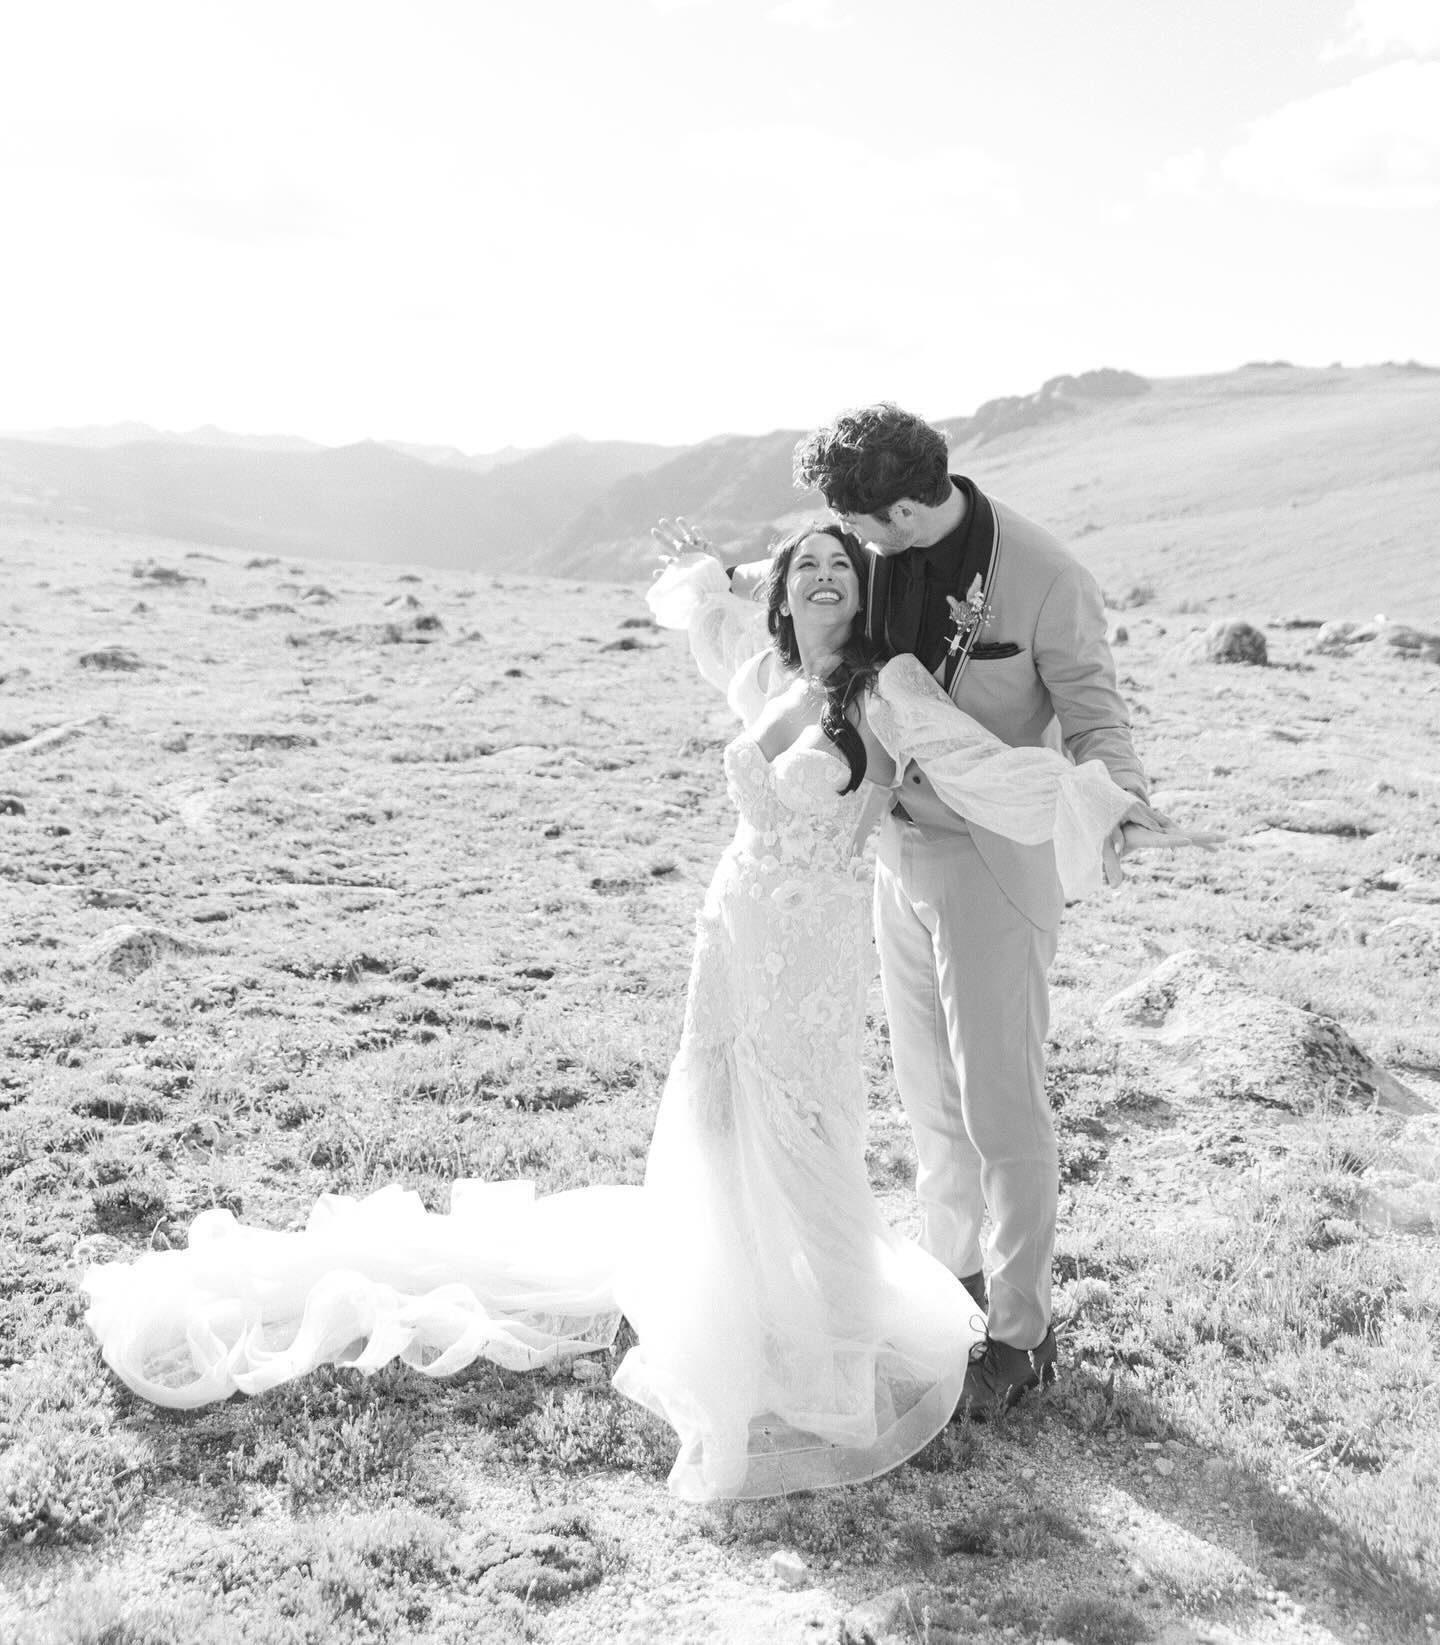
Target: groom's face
x,y
886,537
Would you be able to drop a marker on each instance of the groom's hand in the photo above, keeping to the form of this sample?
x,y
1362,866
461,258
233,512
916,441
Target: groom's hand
x,y
1142,815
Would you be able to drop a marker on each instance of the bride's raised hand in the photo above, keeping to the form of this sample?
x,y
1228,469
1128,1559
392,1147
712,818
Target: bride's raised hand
x,y
1145,829
677,538
1141,837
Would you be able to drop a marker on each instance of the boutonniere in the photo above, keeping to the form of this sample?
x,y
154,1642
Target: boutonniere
x,y
968,615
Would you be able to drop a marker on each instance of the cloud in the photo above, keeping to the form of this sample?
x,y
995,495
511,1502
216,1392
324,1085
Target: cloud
x,y
1375,27
806,14
794,171
1374,142
1184,174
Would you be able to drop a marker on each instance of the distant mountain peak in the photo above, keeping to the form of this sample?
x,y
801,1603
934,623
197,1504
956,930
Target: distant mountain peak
x,y
1063,396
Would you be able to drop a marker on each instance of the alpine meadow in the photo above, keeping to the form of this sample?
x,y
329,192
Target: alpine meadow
x,y
320,874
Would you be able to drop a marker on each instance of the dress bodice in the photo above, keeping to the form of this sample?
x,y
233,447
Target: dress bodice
x,y
791,810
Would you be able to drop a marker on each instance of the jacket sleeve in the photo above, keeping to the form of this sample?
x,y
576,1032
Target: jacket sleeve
x,y
1029,795
1073,659
725,632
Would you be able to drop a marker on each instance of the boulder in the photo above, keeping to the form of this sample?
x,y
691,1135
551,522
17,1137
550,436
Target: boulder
x,y
1410,642
116,658
1337,638
130,949
1228,641
1222,1039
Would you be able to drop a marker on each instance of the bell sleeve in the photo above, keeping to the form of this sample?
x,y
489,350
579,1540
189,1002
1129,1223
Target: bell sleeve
x,y
1029,795
725,631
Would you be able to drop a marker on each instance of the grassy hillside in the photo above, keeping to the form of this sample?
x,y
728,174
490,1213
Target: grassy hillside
x,y
319,877
1271,490
1257,492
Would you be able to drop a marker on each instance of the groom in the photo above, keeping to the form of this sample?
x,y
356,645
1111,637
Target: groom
x,y
967,922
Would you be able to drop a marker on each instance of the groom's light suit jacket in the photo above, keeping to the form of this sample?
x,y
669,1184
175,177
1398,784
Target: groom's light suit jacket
x,y
1040,674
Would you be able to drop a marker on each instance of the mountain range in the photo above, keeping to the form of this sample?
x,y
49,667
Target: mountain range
x,y
1262,483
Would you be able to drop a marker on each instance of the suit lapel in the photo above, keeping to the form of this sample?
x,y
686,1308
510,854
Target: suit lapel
x,y
976,589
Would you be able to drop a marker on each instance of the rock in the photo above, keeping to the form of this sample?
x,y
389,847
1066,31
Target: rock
x,y
1121,636
1413,934
1335,639
1225,1040
130,949
116,658
586,1370
109,896
419,630
10,806
788,1569
877,1617
1411,642
1228,641
253,740
152,573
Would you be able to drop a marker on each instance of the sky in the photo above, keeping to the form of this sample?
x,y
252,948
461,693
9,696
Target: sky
x,y
491,223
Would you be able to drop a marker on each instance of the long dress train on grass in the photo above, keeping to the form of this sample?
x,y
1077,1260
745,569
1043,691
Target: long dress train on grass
x,y
789,1337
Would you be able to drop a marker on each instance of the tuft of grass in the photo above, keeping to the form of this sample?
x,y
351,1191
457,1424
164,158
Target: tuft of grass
x,y
588,1429
820,1525
334,1434
916,1543
67,1474
1098,1621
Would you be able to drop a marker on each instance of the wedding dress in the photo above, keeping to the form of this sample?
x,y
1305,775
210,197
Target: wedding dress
x,y
786,1334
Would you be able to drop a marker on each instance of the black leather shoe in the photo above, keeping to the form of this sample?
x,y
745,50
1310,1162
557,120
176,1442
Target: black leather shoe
x,y
999,1376
975,1285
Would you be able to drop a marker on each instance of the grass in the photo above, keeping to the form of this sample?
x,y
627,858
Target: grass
x,y
438,915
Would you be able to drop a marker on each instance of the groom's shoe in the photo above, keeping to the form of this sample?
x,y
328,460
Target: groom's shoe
x,y
999,1376
975,1285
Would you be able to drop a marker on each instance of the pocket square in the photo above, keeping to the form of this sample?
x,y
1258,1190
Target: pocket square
x,y
994,652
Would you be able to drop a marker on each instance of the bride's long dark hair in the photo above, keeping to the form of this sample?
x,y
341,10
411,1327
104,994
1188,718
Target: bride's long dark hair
x,y
860,658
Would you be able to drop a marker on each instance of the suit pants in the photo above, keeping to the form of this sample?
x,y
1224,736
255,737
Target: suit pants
x,y
963,976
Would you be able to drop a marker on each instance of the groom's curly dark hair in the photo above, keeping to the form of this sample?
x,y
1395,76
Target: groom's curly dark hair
x,y
867,460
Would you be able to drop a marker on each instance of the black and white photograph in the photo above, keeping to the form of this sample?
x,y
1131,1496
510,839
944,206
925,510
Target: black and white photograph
x,y
720,822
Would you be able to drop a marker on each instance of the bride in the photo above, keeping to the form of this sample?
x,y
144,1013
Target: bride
x,y
786,1334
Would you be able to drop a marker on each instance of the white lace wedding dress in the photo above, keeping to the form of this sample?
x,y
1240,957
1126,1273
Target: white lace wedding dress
x,y
785,1333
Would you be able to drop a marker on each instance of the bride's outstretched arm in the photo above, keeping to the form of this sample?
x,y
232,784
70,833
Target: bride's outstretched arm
x,y
1030,795
693,592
